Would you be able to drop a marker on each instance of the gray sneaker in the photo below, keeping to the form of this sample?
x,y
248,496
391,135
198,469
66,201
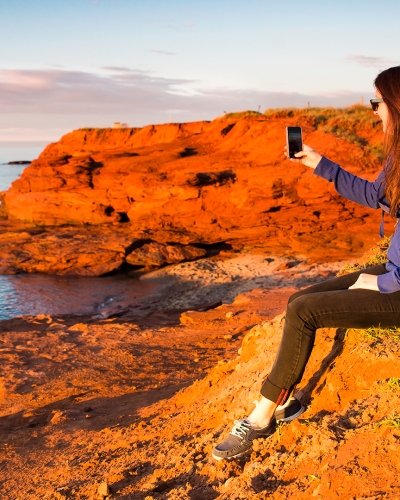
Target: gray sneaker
x,y
240,439
289,411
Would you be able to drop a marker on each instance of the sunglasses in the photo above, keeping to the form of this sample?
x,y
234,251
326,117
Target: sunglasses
x,y
375,103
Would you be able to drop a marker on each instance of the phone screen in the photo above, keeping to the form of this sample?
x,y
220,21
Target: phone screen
x,y
294,140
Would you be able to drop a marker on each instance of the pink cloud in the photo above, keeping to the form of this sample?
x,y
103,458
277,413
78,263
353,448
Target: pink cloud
x,y
64,100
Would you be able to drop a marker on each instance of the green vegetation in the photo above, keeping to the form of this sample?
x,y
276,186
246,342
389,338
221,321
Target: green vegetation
x,y
393,384
346,123
243,114
94,129
101,130
377,255
377,335
391,421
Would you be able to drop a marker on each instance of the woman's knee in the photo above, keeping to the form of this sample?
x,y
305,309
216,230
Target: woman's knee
x,y
301,307
295,296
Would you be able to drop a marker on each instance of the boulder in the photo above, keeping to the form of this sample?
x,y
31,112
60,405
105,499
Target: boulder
x,y
67,251
159,254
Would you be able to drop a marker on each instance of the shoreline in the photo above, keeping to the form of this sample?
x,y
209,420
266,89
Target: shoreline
x,y
198,284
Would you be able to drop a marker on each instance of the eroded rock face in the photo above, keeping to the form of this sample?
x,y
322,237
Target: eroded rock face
x,y
196,183
67,251
92,251
158,254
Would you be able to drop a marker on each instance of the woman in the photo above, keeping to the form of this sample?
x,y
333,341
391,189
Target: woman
x,y
359,300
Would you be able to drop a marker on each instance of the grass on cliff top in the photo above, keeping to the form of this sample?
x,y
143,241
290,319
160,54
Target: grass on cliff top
x,y
346,123
242,114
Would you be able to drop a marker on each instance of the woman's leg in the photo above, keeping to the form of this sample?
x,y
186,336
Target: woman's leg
x,y
298,337
330,304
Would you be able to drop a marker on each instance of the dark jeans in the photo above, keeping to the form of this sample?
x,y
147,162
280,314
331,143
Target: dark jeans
x,y
329,304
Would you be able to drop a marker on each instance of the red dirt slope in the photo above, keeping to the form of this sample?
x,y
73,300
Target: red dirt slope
x,y
88,409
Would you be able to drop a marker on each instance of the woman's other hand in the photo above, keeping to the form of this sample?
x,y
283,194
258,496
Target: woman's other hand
x,y
307,157
366,281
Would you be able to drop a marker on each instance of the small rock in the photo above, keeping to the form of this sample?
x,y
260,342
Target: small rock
x,y
286,265
227,337
240,329
160,254
103,490
41,317
185,319
79,327
229,315
317,490
160,486
57,417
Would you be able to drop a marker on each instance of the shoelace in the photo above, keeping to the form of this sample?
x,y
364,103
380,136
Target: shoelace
x,y
241,428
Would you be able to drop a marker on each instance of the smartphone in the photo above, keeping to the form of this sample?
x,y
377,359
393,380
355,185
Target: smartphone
x,y
294,141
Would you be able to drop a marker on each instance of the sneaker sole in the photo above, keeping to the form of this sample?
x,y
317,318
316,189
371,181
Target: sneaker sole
x,y
241,453
233,456
292,417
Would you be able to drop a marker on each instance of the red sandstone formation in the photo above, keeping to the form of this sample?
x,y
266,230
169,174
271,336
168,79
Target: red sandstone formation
x,y
158,254
199,183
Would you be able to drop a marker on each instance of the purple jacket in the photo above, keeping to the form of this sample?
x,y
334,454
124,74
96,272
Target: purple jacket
x,y
369,194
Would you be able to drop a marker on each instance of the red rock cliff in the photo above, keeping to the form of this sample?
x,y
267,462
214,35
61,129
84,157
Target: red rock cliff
x,y
203,182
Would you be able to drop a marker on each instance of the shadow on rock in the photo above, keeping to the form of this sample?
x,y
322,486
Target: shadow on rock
x,y
326,365
268,482
200,489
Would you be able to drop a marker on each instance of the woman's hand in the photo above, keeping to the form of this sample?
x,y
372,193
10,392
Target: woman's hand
x,y
307,157
366,281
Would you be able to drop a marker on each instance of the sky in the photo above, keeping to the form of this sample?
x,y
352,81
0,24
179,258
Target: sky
x,y
68,64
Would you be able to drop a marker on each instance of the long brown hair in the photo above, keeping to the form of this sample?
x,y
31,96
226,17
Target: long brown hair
x,y
388,84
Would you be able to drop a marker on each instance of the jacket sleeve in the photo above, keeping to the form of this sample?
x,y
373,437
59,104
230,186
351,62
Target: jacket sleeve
x,y
389,282
369,194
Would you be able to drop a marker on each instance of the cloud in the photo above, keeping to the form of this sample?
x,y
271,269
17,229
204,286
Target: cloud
x,y
369,61
57,91
180,27
163,52
119,69
71,99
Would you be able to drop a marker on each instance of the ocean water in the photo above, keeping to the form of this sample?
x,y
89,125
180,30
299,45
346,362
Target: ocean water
x,y
16,151
26,294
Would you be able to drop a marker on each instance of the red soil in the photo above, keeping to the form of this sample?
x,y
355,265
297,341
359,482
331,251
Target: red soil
x,y
91,407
